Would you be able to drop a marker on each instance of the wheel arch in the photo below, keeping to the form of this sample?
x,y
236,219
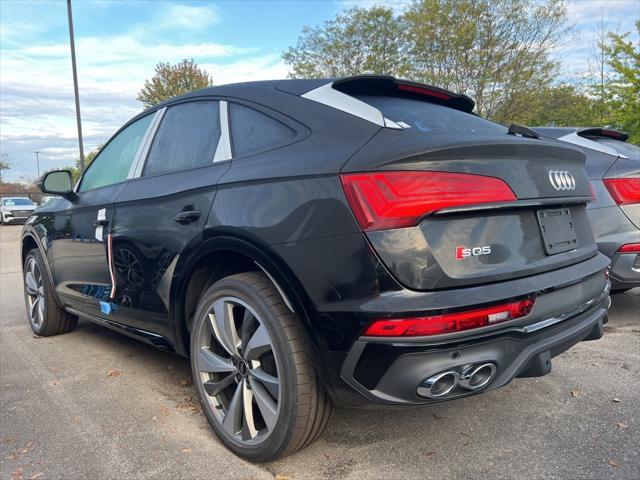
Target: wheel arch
x,y
224,253
28,242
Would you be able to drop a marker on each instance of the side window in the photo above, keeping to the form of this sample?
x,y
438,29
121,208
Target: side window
x,y
114,160
187,138
252,131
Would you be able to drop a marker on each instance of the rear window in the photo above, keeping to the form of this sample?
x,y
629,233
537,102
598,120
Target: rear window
x,y
628,149
431,118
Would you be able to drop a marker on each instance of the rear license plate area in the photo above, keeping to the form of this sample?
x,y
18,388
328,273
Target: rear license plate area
x,y
558,232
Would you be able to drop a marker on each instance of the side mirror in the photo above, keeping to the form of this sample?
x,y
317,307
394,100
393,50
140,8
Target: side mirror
x,y
58,182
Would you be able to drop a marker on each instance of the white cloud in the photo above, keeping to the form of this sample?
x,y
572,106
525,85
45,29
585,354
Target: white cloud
x,y
585,17
266,67
187,17
37,109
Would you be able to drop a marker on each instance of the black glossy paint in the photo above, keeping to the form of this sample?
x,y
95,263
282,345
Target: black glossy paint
x,y
283,210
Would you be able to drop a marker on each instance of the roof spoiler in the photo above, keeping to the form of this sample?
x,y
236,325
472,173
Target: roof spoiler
x,y
604,133
387,85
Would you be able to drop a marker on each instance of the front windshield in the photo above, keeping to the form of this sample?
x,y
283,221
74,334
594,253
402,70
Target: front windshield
x,y
11,202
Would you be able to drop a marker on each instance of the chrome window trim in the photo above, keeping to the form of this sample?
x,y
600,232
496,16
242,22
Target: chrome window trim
x,y
327,95
223,150
145,145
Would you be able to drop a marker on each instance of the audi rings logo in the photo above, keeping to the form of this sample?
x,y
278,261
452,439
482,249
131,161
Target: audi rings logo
x,y
562,180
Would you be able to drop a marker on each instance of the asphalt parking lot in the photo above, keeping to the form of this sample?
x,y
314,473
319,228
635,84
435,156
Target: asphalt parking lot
x,y
95,404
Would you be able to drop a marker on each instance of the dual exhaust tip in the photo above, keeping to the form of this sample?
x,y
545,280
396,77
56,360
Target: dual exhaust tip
x,y
473,377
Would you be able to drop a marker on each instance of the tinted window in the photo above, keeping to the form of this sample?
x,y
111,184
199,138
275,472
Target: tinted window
x,y
114,160
431,118
252,131
187,138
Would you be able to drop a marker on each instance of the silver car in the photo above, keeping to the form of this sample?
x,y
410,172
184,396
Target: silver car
x,y
613,166
16,209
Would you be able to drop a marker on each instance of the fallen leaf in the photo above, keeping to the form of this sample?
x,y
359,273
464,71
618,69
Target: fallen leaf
x,y
188,405
574,392
616,400
613,463
113,373
28,447
17,474
186,381
429,454
437,417
186,450
622,425
283,477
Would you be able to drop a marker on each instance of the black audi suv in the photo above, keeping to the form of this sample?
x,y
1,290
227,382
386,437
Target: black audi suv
x,y
360,241
613,166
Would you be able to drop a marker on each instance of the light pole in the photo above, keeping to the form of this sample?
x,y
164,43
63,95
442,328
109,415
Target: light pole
x,y
75,83
37,152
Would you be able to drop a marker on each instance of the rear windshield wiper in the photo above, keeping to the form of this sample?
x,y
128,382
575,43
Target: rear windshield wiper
x,y
524,131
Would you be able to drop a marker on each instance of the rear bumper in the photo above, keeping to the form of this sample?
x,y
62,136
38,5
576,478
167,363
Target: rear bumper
x,y
515,351
625,271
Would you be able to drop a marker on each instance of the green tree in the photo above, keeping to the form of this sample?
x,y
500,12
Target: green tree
x,y
172,80
622,90
492,50
356,41
558,106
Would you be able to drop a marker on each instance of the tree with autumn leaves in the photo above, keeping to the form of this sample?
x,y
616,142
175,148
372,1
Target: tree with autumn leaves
x,y
173,80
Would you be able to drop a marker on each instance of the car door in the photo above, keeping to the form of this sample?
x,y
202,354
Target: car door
x,y
164,207
78,246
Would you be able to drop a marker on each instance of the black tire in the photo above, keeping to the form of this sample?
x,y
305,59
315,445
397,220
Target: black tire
x,y
53,320
304,408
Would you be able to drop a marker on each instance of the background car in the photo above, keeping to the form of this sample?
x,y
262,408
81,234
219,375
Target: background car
x,y
16,209
613,166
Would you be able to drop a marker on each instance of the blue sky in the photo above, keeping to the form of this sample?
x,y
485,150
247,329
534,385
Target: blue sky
x,y
118,44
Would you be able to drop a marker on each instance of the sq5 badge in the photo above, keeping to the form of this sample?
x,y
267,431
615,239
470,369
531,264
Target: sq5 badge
x,y
466,252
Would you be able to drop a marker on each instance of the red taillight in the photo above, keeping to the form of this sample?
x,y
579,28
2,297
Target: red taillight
x,y
625,191
630,248
424,91
384,200
449,323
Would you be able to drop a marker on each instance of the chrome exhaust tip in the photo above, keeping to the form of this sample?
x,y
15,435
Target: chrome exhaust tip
x,y
476,377
439,385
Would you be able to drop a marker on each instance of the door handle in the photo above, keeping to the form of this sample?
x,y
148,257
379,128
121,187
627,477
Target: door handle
x,y
99,223
184,218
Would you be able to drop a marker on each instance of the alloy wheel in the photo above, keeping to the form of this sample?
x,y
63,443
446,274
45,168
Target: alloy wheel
x,y
238,370
34,286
